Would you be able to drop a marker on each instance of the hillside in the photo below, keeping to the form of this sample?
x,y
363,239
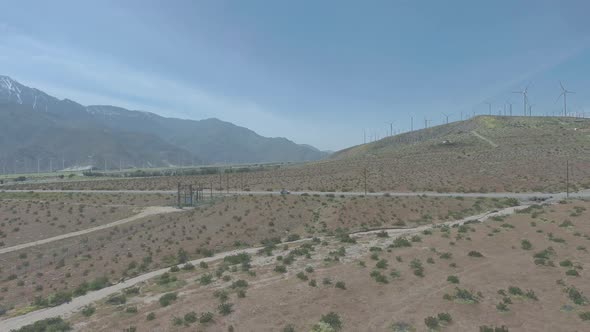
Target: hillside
x,y
44,127
483,154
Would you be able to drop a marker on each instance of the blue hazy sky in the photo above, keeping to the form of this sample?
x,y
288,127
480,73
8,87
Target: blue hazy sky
x,y
316,72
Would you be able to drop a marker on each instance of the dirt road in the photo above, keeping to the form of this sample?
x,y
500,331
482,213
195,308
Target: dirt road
x,y
152,210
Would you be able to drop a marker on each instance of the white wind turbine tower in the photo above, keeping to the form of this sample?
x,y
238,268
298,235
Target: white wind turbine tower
x,y
564,93
390,128
489,107
447,117
524,97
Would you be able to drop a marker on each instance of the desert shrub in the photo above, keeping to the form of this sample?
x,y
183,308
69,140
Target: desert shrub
x,y
474,253
302,276
400,242
446,255
206,317
333,320
280,269
174,269
464,295
239,284
188,267
515,291
150,316
445,317
54,324
166,278
401,327
431,322
88,311
322,327
566,263
177,321
117,299
416,265
167,299
576,296
190,317
526,245
531,295
380,278
309,269
585,315
237,259
131,310
382,234
203,265
340,284
453,279
313,283
502,306
225,308
381,264
221,294
293,237
206,279
289,328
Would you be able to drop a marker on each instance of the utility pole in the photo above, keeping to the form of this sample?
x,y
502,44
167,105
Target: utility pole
x,y
411,123
364,136
567,179
365,174
38,166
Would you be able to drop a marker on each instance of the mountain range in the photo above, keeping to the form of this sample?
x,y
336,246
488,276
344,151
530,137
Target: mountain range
x,y
39,131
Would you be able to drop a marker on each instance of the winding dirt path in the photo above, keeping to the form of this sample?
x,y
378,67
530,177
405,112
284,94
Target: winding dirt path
x,y
149,211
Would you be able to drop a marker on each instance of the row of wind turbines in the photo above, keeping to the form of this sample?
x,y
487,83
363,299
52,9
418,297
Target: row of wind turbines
x,y
527,111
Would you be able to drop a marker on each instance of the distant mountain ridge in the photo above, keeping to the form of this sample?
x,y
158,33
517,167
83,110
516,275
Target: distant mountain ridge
x,y
102,133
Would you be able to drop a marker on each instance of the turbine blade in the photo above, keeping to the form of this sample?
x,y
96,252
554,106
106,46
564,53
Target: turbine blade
x,y
558,97
562,88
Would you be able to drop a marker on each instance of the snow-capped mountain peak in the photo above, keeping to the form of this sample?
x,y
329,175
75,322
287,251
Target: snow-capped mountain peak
x,y
10,88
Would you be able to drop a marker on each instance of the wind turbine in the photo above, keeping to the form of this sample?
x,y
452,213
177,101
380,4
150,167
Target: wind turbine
x,y
524,97
489,106
564,93
390,128
447,117
509,108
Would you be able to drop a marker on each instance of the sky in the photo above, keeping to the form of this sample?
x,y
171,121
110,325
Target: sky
x,y
317,72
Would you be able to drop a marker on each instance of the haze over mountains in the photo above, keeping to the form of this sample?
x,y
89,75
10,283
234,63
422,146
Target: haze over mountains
x,y
36,128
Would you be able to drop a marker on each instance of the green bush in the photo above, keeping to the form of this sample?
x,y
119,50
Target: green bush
x,y
431,322
167,299
526,245
88,311
453,279
333,320
381,264
206,317
150,316
340,284
55,324
445,317
401,242
117,299
474,253
515,291
190,317
225,308
206,279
